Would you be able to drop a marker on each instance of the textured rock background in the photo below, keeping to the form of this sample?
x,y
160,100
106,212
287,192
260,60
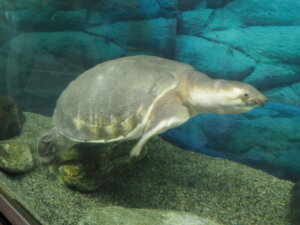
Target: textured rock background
x,y
46,44
11,118
267,138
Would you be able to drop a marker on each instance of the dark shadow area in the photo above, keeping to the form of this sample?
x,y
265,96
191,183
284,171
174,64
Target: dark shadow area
x,y
295,204
3,220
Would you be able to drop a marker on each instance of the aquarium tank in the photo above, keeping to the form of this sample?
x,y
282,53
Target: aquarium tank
x,y
150,112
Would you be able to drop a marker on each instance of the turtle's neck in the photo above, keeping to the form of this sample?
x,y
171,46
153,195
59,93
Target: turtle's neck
x,y
199,93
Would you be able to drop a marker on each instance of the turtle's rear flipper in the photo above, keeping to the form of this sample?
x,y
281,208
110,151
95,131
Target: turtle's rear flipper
x,y
45,147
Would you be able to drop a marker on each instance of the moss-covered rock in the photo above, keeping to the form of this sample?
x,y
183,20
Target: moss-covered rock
x,y
87,167
15,157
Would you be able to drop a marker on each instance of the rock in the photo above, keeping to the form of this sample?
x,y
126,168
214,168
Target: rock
x,y
194,22
275,28
11,118
158,34
266,138
223,19
193,135
296,88
15,157
277,64
185,5
275,13
272,44
54,60
215,4
110,11
199,21
274,110
217,60
81,177
6,30
284,95
129,216
167,178
169,8
57,4
68,20
267,76
231,14
187,136
69,5
21,4
31,19
80,48
89,168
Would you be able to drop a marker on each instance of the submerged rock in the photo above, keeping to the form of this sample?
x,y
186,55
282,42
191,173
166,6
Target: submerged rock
x,y
11,118
266,76
109,11
266,138
15,157
215,4
129,216
140,34
215,59
54,59
284,94
267,42
89,168
265,13
6,31
185,5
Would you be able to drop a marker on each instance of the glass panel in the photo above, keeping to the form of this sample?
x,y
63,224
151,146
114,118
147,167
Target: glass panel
x,y
214,83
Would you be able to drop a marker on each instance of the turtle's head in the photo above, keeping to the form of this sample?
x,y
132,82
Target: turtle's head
x,y
223,96
237,97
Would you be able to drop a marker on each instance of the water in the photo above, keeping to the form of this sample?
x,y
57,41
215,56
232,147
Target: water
x,y
46,44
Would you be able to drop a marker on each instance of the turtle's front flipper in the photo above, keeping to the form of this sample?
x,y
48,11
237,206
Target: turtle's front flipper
x,y
45,147
167,114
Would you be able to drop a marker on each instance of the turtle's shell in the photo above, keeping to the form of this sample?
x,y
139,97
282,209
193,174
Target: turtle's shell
x,y
112,99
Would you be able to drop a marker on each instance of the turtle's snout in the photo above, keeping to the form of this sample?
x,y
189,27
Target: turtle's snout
x,y
261,100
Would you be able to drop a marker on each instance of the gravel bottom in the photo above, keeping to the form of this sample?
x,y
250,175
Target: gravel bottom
x,y
167,178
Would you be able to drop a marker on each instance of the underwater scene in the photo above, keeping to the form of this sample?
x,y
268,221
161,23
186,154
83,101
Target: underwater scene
x,y
150,112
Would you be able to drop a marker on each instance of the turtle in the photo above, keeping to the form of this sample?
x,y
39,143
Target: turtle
x,y
137,97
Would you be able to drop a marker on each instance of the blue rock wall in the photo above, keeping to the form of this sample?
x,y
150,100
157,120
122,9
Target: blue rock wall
x,y
46,44
266,138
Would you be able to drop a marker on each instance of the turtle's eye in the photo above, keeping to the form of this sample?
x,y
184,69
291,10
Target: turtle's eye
x,y
245,96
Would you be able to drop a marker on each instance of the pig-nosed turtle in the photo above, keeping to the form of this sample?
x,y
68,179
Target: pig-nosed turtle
x,y
137,97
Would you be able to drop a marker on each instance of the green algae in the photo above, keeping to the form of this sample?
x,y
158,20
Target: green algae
x,y
15,157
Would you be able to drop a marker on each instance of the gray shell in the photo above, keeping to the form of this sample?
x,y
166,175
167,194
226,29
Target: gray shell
x,y
110,100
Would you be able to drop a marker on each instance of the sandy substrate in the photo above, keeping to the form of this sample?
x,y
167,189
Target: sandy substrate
x,y
167,178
